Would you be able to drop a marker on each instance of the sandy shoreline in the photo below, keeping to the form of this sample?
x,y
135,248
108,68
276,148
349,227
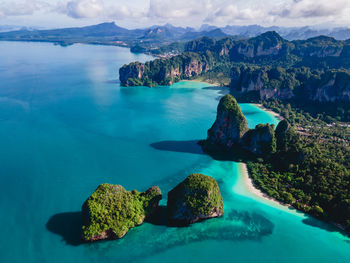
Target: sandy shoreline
x,y
208,83
257,192
269,111
249,182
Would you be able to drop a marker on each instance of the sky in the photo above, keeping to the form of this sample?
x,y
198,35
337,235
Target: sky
x,y
193,13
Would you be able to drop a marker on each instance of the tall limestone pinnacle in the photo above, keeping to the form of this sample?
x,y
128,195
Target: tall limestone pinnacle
x,y
230,124
230,133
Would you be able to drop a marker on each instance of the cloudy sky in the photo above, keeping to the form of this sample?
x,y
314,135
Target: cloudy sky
x,y
142,13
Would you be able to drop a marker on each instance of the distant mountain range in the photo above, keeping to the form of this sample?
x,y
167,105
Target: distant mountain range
x,y
8,28
148,39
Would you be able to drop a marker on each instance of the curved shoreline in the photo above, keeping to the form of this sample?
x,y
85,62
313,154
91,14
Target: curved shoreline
x,y
275,114
257,193
261,196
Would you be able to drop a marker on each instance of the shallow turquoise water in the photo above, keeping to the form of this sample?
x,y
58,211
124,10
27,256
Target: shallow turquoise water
x,y
66,126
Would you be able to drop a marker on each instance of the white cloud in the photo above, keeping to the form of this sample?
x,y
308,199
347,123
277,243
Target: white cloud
x,y
142,13
231,13
123,12
172,9
311,9
83,8
15,8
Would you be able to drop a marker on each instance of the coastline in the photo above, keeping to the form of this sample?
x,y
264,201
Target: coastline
x,y
249,184
252,189
275,114
205,82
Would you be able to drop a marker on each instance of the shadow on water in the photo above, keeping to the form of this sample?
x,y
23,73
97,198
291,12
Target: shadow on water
x,y
233,226
178,146
195,147
314,222
68,226
222,90
158,218
112,81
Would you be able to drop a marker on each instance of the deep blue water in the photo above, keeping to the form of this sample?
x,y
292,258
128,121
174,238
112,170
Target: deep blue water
x,y
67,126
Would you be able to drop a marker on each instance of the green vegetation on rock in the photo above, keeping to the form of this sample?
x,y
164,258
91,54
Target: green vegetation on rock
x,y
230,125
197,198
111,211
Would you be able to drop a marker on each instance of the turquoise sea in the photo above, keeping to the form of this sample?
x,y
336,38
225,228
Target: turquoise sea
x,y
67,126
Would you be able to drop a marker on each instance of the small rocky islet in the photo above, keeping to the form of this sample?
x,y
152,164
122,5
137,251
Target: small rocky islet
x,y
111,210
195,199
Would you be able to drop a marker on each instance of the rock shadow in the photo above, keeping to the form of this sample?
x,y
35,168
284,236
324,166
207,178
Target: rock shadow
x,y
314,222
222,89
68,226
237,154
178,146
159,217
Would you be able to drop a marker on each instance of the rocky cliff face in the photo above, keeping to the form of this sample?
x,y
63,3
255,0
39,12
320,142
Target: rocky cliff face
x,y
334,86
279,83
261,140
164,72
195,199
262,81
230,132
111,211
267,44
132,71
230,124
195,68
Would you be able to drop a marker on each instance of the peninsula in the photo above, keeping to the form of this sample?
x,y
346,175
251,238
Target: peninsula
x,y
285,163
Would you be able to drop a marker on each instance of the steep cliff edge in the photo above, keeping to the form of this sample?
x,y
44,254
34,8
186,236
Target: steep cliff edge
x,y
165,72
230,125
302,83
230,132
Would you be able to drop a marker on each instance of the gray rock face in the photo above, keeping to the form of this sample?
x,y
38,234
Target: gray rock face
x,y
267,82
133,70
230,124
261,140
230,132
195,199
334,86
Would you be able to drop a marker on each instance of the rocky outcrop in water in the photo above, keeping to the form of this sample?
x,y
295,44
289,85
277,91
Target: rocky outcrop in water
x,y
133,71
111,211
195,199
230,132
230,125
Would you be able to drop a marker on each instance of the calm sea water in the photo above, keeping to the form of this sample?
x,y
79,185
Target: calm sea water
x,y
67,126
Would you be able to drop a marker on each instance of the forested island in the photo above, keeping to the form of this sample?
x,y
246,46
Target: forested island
x,y
304,161
111,211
